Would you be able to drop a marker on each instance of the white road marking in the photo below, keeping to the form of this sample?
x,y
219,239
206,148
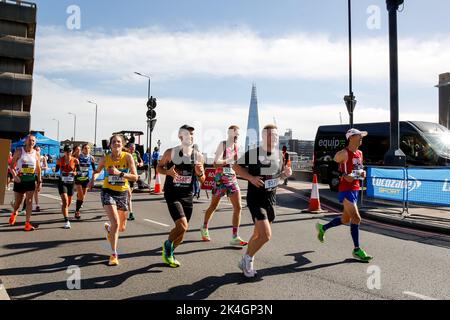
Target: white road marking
x,y
155,222
417,295
50,196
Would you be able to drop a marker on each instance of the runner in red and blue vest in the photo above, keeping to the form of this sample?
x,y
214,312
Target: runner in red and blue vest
x,y
351,167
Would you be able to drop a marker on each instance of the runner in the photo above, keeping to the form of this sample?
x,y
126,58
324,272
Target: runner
x,y
351,167
263,167
10,175
44,167
147,163
68,167
26,170
119,169
180,165
287,161
138,163
155,159
82,180
226,184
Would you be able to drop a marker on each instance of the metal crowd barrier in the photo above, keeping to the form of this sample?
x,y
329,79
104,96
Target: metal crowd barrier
x,y
410,186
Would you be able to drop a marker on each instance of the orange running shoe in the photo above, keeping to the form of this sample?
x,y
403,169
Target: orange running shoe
x,y
12,219
113,260
29,227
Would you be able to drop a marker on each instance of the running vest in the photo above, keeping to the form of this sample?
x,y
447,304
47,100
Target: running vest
x,y
26,166
185,167
67,169
85,164
116,183
353,166
228,153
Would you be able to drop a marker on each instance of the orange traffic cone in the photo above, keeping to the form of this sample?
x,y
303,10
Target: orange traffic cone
x,y
314,202
157,185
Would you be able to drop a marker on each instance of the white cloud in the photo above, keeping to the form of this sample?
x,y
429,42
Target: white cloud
x,y
54,99
223,53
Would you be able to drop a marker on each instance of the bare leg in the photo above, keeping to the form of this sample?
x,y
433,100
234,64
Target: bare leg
x,y
114,219
262,235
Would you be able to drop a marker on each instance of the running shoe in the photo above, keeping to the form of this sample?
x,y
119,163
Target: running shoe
x,y
108,232
29,227
238,242
361,255
321,232
12,219
205,234
246,266
23,212
38,209
169,260
131,217
78,215
113,260
67,225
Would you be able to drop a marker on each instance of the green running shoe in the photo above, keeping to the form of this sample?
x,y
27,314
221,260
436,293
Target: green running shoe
x,y
205,234
361,255
131,217
321,232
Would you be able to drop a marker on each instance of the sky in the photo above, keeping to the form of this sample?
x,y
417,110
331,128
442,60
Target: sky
x,y
203,57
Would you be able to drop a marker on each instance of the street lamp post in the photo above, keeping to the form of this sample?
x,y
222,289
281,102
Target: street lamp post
x,y
57,132
74,125
149,131
350,100
95,135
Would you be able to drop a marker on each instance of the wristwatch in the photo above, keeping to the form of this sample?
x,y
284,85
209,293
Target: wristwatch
x,y
122,174
200,176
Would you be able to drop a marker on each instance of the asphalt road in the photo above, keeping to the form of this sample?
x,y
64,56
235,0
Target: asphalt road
x,y
408,264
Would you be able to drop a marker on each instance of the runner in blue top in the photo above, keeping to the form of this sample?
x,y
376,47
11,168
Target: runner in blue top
x,y
87,161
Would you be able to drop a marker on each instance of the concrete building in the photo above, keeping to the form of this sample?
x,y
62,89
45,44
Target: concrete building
x,y
444,99
253,135
17,40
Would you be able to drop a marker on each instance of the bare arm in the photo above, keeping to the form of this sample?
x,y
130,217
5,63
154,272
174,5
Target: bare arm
x,y
243,172
341,156
100,167
162,165
200,169
132,176
13,164
38,171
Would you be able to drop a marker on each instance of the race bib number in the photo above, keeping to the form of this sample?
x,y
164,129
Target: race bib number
x,y
357,174
27,171
228,171
116,180
67,178
183,180
271,183
84,171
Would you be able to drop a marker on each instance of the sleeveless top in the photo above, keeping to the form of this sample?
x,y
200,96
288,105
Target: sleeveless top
x,y
116,183
228,152
85,164
353,166
26,166
67,169
185,167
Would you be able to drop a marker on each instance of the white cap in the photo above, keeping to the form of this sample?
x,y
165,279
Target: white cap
x,y
354,132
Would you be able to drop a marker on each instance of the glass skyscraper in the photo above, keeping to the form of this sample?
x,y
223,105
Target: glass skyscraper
x,y
252,140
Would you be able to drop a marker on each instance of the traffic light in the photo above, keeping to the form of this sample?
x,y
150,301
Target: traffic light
x,y
151,113
151,104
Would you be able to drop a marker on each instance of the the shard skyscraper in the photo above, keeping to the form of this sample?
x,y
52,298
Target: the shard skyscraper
x,y
252,140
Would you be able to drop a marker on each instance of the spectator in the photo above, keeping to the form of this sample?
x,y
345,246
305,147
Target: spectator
x,y
155,159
